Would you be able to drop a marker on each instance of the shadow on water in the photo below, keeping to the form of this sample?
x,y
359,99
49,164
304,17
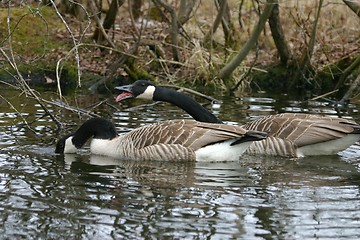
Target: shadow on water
x,y
83,196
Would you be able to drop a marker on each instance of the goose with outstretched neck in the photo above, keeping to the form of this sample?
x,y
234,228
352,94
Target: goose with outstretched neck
x,y
290,134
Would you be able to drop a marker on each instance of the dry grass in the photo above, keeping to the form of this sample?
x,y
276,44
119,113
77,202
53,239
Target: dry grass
x,y
338,37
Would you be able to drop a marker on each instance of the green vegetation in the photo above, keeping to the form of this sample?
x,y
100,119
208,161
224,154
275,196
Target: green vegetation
x,y
32,32
34,45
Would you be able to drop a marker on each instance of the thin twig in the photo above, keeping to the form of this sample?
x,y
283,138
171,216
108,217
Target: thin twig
x,y
23,83
77,110
214,100
174,27
141,106
77,57
108,48
19,113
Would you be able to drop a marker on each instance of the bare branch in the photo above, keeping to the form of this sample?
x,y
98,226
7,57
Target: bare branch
x,y
226,71
19,113
305,64
185,9
355,7
174,28
219,16
77,57
108,21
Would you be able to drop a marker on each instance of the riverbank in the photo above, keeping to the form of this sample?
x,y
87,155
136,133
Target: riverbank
x,y
45,47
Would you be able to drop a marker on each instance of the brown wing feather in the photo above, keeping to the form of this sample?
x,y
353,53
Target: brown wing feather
x,y
188,133
303,129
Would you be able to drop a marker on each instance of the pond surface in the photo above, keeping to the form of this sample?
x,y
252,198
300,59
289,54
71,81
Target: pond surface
x,y
48,196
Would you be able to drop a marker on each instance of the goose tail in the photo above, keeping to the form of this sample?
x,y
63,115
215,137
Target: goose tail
x,y
356,129
251,136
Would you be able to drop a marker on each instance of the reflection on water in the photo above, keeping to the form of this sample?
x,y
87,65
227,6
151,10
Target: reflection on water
x,y
82,196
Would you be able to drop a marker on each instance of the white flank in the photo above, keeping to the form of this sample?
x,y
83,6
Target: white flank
x,y
329,147
148,93
105,147
221,152
69,146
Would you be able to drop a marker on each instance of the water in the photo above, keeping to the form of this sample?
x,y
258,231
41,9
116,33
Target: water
x,y
47,196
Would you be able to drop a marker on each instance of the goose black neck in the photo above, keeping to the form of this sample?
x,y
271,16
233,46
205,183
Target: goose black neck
x,y
98,128
188,104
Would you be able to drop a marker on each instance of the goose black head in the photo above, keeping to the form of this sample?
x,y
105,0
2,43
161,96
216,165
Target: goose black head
x,y
61,144
139,89
98,128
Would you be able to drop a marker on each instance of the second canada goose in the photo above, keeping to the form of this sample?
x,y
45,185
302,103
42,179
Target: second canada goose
x,y
174,140
290,134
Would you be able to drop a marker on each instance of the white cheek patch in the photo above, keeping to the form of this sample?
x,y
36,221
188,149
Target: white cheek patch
x,y
69,146
148,93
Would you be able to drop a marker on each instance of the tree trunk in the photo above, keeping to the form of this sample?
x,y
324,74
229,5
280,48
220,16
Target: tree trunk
x,y
217,21
174,28
136,8
227,25
226,71
278,35
185,9
355,7
109,19
241,24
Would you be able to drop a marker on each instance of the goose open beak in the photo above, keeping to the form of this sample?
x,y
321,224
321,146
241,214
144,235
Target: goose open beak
x,y
126,92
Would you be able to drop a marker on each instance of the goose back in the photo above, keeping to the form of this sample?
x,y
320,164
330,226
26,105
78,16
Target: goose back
x,y
297,135
303,129
186,132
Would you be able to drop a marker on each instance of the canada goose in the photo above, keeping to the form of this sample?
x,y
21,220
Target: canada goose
x,y
174,140
290,134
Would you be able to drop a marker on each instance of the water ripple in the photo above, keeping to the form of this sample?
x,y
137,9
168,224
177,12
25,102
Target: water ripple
x,y
82,196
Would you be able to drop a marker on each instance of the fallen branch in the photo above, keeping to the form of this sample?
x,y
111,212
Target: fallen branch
x,y
324,95
139,107
77,110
